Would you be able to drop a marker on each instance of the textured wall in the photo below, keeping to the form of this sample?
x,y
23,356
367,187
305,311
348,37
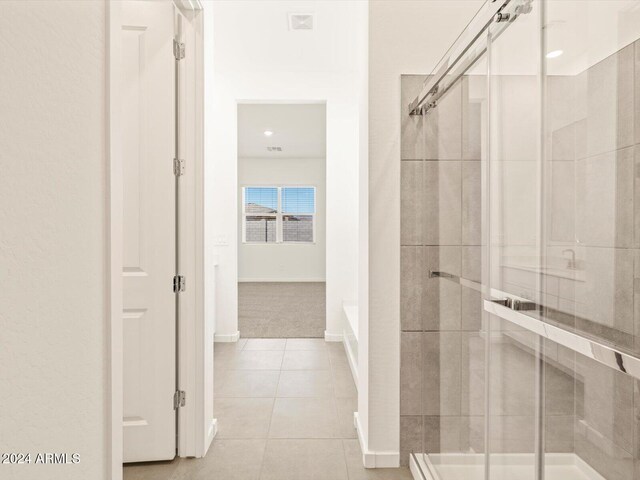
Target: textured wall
x,y
52,240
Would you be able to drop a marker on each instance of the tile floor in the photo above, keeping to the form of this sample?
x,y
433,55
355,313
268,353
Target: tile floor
x,y
285,412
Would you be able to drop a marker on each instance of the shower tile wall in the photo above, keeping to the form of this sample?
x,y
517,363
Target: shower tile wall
x,y
442,354
593,193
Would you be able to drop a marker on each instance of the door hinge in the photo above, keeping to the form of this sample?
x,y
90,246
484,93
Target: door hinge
x,y
179,284
178,167
179,399
178,49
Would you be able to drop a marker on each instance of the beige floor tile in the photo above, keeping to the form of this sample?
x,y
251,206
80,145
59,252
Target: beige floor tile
x,y
353,455
306,360
255,360
337,355
305,383
243,417
304,459
306,344
226,460
246,383
304,418
151,470
265,344
343,383
345,408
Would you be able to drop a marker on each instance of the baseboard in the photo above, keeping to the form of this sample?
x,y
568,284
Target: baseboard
x,y
333,337
211,433
352,360
226,337
374,459
282,280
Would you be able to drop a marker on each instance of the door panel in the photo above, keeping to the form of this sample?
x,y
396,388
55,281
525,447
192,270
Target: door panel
x,y
149,230
513,196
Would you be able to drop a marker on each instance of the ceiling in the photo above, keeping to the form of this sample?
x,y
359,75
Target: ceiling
x,y
254,36
300,129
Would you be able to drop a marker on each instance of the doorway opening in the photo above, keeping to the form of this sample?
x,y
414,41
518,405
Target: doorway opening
x,y
282,220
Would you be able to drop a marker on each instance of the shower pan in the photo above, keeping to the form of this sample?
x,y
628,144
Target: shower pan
x,y
520,244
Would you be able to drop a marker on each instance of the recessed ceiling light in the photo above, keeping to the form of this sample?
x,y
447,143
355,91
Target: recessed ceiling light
x,y
554,53
268,133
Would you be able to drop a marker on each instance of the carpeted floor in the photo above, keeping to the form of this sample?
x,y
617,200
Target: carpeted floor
x,y
281,310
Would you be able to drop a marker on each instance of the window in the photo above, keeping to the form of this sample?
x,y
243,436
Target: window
x,y
279,214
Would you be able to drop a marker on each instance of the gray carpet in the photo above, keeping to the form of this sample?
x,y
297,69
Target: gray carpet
x,y
281,310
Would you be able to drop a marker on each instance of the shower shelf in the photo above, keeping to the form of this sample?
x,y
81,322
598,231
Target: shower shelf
x,y
593,349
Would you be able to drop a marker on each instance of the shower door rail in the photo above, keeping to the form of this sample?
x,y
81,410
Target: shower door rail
x,y
462,55
593,349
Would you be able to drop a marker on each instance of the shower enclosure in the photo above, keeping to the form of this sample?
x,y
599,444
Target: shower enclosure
x,y
520,268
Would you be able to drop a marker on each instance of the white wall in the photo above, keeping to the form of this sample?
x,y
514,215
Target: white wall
x,y
283,262
405,36
53,251
264,62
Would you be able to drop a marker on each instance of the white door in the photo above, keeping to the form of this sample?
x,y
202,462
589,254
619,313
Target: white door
x,y
149,230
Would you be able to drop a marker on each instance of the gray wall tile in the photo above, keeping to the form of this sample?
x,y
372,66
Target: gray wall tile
x,y
471,203
441,387
412,288
637,91
443,203
559,433
610,90
412,197
411,373
471,309
472,263
562,207
474,90
410,437
605,199
443,127
472,374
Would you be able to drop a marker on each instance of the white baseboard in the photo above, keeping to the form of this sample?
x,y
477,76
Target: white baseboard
x,y
282,280
374,459
211,433
226,337
333,337
352,360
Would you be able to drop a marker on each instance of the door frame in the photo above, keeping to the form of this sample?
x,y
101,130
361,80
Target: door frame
x,y
197,427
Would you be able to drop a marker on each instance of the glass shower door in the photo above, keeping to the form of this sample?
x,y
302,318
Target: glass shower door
x,y
561,202
591,138
512,204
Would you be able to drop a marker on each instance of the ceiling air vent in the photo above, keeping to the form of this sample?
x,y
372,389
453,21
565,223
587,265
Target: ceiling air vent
x,y
300,21
274,149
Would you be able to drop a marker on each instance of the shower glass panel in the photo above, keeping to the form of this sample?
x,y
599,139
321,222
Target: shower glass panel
x,y
590,261
521,248
513,233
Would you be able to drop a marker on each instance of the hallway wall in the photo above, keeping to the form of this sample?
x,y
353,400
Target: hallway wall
x,y
53,239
